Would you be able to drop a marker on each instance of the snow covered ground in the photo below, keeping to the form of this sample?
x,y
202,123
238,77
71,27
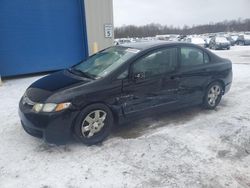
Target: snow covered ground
x,y
188,148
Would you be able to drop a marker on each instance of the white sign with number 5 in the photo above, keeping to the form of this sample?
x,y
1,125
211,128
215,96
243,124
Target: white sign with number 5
x,y
108,30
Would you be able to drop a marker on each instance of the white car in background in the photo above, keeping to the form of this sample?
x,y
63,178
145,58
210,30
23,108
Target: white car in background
x,y
219,43
207,41
196,40
122,41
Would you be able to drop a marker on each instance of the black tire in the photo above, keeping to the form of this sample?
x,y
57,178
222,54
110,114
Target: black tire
x,y
207,103
105,130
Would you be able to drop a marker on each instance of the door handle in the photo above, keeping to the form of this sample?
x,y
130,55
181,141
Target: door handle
x,y
206,69
175,77
135,97
126,97
153,95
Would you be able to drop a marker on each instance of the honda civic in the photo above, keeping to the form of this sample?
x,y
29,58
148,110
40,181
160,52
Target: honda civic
x,y
120,82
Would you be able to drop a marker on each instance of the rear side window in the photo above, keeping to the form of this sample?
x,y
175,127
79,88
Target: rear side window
x,y
193,56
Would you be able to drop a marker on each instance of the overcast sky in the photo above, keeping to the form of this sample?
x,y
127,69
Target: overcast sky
x,y
178,12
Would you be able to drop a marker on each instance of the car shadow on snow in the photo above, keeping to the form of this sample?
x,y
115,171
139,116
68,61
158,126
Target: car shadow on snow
x,y
134,128
137,127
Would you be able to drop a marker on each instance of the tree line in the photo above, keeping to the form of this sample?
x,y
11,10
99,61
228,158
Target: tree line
x,y
153,29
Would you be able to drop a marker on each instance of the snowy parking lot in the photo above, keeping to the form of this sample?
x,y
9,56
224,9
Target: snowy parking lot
x,y
187,148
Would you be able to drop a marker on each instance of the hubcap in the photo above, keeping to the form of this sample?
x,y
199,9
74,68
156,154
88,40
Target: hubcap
x,y
213,95
93,123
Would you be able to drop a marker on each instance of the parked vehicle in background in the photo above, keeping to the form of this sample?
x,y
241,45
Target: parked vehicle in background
x,y
117,83
169,37
243,40
231,40
234,38
182,38
196,40
219,43
123,41
207,41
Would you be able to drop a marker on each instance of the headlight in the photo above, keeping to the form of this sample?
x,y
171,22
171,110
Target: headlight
x,y
50,107
38,107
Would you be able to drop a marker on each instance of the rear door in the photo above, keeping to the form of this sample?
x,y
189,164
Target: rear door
x,y
195,73
150,83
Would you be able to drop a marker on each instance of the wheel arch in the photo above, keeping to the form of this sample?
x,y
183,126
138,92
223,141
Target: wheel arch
x,y
217,80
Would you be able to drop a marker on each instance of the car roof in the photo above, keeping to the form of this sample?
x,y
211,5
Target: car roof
x,y
148,44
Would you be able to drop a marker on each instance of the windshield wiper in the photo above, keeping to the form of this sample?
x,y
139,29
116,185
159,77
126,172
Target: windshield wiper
x,y
81,73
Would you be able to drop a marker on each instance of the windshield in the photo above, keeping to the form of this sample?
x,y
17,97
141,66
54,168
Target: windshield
x,y
234,37
104,62
208,40
221,39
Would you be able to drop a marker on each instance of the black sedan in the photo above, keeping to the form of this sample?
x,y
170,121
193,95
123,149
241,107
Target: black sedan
x,y
120,82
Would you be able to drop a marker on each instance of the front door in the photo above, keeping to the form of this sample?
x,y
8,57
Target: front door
x,y
151,82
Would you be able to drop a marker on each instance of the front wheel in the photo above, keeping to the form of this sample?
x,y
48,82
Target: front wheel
x,y
94,124
213,95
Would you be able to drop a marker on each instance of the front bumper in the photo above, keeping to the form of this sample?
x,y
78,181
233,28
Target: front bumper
x,y
247,42
223,46
54,128
227,87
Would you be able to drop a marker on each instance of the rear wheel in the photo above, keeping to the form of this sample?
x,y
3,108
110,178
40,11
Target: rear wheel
x,y
94,124
213,95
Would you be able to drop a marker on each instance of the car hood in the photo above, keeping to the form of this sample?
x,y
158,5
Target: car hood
x,y
43,88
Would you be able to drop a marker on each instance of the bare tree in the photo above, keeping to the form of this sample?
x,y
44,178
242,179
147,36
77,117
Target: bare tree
x,y
157,29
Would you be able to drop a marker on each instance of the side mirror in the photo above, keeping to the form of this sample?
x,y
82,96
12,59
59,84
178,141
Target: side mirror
x,y
139,76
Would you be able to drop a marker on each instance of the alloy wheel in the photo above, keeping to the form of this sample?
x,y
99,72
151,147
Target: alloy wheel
x,y
213,95
93,123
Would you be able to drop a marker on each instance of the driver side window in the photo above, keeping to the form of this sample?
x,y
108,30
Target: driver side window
x,y
157,63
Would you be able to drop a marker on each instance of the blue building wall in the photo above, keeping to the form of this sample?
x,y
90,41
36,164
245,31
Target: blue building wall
x,y
41,35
